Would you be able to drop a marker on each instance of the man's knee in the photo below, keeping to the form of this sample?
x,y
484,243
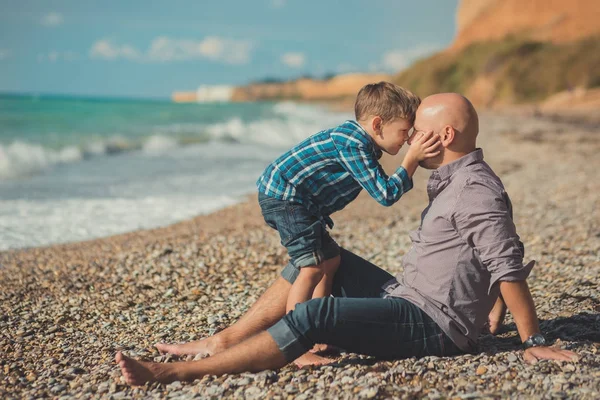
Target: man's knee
x,y
313,318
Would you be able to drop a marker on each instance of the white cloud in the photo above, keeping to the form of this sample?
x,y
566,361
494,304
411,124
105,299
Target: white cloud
x,y
165,49
4,54
293,60
396,60
52,19
107,50
54,56
277,3
214,48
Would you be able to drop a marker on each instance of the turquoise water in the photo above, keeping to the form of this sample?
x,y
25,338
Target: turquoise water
x,y
73,169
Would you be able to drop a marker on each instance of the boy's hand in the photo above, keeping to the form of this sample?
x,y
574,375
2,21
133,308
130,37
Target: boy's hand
x,y
423,145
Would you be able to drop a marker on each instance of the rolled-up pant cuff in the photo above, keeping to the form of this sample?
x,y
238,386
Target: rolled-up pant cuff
x,y
290,273
287,341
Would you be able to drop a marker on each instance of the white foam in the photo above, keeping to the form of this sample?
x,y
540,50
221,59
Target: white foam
x,y
23,159
294,122
158,144
27,223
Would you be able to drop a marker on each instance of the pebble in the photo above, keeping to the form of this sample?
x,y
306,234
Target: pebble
x,y
67,309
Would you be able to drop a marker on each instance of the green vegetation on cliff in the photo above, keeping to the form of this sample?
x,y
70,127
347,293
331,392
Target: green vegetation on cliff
x,y
515,70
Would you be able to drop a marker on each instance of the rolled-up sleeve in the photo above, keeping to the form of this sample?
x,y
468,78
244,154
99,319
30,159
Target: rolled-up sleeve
x,y
483,218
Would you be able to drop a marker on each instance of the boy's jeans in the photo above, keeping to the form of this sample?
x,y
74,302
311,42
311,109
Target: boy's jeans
x,y
359,320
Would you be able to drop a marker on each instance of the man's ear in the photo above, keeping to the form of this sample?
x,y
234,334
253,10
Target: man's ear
x,y
447,135
377,122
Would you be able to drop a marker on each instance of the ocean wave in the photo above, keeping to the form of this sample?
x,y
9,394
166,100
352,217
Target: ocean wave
x,y
286,124
24,159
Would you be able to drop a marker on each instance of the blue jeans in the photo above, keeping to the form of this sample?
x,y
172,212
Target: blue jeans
x,y
303,235
359,319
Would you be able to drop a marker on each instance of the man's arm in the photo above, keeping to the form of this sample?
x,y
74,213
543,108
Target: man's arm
x,y
483,219
520,303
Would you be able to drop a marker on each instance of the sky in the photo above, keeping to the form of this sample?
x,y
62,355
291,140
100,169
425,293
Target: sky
x,y
150,48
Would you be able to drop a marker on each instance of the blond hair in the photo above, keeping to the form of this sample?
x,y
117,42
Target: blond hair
x,y
386,100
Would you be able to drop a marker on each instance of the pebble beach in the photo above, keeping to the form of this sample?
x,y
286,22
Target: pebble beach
x,y
65,310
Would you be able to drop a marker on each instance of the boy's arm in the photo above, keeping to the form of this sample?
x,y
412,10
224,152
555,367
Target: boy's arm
x,y
520,303
366,170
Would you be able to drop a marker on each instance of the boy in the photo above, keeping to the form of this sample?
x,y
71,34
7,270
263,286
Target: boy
x,y
325,172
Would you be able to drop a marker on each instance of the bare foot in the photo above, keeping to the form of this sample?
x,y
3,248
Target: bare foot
x,y
325,349
206,347
137,373
311,359
496,316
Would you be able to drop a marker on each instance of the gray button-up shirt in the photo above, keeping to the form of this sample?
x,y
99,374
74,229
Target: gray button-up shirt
x,y
467,243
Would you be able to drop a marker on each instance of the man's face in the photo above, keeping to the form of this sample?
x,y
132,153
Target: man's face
x,y
394,135
422,125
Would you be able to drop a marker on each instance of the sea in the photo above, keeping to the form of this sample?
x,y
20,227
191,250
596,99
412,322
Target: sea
x,y
73,169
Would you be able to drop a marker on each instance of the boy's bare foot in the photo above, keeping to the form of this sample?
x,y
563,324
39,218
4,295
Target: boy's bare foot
x,y
206,347
325,349
496,316
311,359
137,373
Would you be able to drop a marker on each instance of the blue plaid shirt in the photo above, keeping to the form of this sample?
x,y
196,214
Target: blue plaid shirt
x,y
326,171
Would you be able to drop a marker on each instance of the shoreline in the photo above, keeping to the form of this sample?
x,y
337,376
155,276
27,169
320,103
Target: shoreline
x,y
66,309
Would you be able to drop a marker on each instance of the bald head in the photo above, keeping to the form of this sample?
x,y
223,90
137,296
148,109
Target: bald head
x,y
454,118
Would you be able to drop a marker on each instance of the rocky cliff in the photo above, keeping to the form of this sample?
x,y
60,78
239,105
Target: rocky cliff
x,y
556,21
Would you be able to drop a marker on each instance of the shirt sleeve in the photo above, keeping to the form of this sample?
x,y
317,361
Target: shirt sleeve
x,y
360,161
483,218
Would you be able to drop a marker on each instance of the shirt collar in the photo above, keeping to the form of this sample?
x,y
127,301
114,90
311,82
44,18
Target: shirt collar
x,y
358,128
448,170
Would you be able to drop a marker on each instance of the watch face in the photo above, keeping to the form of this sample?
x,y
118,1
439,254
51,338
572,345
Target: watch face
x,y
538,340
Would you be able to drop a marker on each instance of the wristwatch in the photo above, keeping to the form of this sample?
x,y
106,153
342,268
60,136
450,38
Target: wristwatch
x,y
534,340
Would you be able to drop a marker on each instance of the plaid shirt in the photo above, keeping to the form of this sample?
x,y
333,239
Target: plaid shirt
x,y
326,171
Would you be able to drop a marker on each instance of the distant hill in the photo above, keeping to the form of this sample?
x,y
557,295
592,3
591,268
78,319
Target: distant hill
x,y
514,51
507,71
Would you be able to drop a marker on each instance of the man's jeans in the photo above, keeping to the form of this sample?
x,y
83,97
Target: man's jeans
x,y
358,319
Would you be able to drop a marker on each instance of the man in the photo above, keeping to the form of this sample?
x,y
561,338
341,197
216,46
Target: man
x,y
464,255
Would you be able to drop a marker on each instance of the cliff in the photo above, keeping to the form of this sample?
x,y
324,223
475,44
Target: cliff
x,y
556,21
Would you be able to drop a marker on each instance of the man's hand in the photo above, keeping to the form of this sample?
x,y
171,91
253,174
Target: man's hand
x,y
533,354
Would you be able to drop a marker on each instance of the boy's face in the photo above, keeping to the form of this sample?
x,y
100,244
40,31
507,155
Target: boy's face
x,y
392,135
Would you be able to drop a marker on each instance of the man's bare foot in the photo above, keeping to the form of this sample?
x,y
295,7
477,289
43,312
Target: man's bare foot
x,y
496,316
137,373
206,347
311,359
325,349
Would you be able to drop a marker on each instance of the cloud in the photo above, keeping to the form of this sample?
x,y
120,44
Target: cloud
x,y
396,60
277,3
54,56
165,49
52,19
4,54
293,60
214,48
106,50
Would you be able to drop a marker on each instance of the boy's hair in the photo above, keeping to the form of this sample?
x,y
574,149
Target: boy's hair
x,y
386,100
